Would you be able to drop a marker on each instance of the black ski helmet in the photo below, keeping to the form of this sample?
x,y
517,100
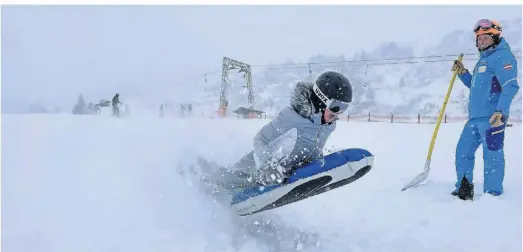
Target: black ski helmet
x,y
334,85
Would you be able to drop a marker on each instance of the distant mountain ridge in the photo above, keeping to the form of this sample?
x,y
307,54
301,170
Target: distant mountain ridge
x,y
402,79
408,85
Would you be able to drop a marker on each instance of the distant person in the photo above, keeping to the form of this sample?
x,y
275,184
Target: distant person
x,y
115,102
182,110
97,108
189,109
161,111
493,84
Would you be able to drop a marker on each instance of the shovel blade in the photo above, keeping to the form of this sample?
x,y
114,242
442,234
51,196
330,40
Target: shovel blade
x,y
420,178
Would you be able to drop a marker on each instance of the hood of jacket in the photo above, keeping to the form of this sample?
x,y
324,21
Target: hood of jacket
x,y
300,99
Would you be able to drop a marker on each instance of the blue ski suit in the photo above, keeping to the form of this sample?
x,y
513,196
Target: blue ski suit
x,y
493,84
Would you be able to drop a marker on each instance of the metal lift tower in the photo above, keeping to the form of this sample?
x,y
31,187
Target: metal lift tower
x,y
230,64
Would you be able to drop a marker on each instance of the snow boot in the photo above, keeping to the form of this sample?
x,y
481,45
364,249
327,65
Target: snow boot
x,y
466,190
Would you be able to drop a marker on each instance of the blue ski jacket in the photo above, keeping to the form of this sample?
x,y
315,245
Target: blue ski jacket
x,y
493,82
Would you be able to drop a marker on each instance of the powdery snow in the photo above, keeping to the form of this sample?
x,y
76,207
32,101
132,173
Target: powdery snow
x,y
80,183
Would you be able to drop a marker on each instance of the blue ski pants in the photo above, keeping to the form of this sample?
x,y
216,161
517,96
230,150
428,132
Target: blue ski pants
x,y
478,131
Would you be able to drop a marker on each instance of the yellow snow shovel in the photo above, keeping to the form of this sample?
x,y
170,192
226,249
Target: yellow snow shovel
x,y
422,176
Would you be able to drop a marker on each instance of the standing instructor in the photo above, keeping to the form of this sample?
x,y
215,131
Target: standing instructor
x,y
493,84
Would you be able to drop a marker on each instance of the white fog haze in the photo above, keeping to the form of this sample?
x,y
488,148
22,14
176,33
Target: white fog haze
x,y
159,54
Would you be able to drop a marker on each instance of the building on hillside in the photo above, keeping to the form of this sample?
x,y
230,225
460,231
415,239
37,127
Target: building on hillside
x,y
249,113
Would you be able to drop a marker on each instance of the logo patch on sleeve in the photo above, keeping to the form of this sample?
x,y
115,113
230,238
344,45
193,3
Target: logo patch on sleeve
x,y
507,66
482,69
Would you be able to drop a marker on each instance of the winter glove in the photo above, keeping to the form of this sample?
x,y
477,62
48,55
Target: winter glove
x,y
496,119
459,67
271,173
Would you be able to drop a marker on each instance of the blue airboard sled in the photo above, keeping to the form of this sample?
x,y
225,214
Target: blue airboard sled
x,y
334,170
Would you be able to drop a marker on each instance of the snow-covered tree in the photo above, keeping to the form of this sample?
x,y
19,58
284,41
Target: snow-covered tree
x,y
80,106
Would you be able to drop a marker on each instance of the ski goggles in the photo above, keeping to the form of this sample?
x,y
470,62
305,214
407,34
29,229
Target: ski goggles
x,y
485,25
335,106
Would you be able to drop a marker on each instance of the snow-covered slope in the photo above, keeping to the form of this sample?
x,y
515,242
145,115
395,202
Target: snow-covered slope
x,y
81,183
406,86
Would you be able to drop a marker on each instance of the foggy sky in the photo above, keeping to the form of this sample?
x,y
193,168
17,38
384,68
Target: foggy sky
x,y
51,54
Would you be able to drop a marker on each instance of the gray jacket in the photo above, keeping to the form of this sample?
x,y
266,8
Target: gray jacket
x,y
296,135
